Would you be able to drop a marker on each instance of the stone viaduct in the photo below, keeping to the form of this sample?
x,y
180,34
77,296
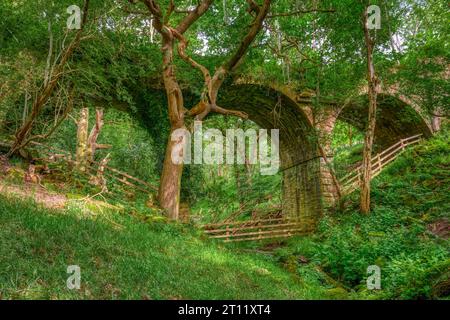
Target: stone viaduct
x,y
308,185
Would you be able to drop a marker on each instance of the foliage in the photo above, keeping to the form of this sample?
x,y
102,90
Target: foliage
x,y
311,47
396,235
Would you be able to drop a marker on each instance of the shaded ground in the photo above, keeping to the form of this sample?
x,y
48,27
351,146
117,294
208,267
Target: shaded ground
x,y
136,261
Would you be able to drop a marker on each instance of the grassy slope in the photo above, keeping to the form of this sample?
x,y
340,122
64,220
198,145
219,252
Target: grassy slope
x,y
121,257
409,198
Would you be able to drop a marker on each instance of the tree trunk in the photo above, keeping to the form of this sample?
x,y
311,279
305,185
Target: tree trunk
x,y
92,145
87,145
82,140
370,131
99,179
170,183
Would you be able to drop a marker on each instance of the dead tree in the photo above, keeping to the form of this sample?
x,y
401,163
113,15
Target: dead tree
x,y
51,79
92,144
82,140
87,144
99,178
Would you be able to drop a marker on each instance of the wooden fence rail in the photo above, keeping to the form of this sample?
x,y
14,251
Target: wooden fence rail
x,y
352,180
255,229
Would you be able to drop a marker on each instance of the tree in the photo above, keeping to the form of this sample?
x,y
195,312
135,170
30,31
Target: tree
x,y
170,182
169,191
373,85
52,76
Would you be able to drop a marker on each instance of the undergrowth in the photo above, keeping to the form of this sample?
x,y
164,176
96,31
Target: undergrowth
x,y
406,233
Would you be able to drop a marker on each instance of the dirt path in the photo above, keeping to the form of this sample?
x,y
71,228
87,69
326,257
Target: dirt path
x,y
29,191
35,192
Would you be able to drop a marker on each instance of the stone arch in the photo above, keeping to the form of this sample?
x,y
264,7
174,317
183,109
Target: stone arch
x,y
397,118
300,159
307,183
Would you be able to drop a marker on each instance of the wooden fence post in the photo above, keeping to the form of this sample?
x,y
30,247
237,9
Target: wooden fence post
x,y
380,167
259,230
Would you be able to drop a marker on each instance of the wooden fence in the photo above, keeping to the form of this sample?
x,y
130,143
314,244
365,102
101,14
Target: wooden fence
x,y
109,172
271,228
255,229
351,182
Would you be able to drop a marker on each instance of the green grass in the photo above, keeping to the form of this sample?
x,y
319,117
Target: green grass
x,y
124,258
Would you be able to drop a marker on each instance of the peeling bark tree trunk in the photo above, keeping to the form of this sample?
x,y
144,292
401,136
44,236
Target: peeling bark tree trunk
x,y
170,184
370,131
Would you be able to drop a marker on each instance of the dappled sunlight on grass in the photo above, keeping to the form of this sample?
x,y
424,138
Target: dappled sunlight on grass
x,y
140,260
